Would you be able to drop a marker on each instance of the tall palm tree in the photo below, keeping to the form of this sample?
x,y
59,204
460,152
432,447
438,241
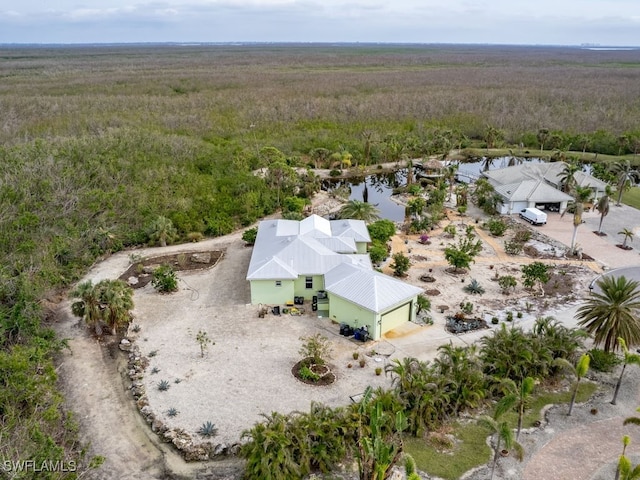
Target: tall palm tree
x,y
628,358
626,174
611,312
582,194
357,210
567,179
580,369
628,235
603,206
625,470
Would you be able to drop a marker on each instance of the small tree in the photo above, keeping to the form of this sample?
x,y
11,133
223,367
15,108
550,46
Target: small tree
x,y
423,303
579,370
162,231
378,252
507,283
204,341
628,235
628,359
400,264
536,273
381,230
502,431
497,227
250,235
316,347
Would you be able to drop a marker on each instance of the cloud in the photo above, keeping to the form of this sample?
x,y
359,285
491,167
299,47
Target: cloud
x,y
457,21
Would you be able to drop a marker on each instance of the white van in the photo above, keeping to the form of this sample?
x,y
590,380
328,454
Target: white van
x,y
534,216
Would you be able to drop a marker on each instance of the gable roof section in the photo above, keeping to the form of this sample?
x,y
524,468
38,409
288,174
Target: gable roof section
x,y
550,172
532,191
280,252
355,229
367,288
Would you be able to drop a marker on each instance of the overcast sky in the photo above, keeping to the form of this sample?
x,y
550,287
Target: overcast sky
x,y
553,22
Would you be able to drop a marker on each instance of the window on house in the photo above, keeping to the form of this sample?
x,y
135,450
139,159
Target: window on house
x,y
278,283
308,282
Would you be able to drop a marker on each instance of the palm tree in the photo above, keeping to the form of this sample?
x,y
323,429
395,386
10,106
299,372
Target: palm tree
x,y
582,194
162,231
116,298
520,397
487,162
611,312
502,431
543,134
579,370
627,359
566,178
358,210
625,470
88,305
628,235
603,206
626,174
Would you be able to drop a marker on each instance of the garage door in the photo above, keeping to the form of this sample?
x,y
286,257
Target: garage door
x,y
395,318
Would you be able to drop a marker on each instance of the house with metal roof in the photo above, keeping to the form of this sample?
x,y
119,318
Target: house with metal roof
x,y
325,263
537,185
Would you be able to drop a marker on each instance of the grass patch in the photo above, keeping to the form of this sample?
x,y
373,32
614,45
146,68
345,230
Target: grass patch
x,y
471,449
631,197
539,401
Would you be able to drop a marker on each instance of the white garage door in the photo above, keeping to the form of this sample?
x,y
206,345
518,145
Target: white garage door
x,y
395,318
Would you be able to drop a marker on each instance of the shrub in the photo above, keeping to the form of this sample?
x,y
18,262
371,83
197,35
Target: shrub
x,y
494,320
513,248
509,316
335,173
400,264
195,236
424,239
602,361
496,227
163,385
522,235
381,230
172,412
165,279
378,252
450,230
250,235
306,374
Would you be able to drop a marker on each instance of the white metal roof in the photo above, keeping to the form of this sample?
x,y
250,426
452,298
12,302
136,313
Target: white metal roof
x,y
281,252
369,289
531,191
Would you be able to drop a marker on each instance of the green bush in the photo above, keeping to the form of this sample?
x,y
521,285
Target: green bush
x,y
165,279
496,227
335,173
512,247
602,361
306,374
378,252
381,230
250,235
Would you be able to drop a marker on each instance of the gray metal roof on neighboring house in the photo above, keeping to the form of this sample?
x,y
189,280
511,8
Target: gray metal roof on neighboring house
x,y
551,172
531,191
371,290
281,252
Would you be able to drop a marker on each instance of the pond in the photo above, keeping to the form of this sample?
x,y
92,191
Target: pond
x,y
376,189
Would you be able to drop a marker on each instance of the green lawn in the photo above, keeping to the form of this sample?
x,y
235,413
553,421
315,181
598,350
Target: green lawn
x,y
471,449
631,197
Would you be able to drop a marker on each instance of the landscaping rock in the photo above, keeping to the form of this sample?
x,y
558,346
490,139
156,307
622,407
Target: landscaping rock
x,y
201,257
125,345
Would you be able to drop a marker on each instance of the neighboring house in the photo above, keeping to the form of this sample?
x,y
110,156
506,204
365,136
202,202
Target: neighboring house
x,y
537,185
326,261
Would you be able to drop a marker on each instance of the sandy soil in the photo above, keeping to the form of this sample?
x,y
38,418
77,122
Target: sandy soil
x,y
247,371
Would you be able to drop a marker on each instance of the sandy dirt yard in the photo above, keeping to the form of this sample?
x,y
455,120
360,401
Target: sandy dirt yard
x,y
247,372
